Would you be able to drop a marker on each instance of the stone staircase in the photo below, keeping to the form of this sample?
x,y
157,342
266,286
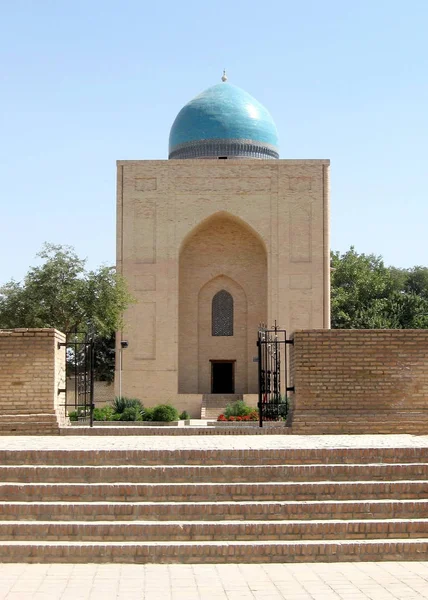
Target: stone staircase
x,y
214,405
213,505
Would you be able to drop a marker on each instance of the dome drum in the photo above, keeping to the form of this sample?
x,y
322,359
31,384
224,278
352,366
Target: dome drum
x,y
218,148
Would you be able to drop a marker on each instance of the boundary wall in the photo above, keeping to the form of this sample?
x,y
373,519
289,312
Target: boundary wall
x,y
32,370
360,381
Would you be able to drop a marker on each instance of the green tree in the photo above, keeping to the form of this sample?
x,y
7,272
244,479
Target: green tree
x,y
417,281
365,294
61,293
360,284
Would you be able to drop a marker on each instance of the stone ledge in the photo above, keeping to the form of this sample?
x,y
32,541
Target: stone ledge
x,y
121,424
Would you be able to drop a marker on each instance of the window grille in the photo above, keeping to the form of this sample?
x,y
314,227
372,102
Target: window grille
x,y
222,314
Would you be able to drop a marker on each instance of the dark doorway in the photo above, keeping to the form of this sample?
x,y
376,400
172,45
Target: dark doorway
x,y
222,377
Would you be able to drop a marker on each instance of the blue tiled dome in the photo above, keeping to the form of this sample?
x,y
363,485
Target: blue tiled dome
x,y
223,121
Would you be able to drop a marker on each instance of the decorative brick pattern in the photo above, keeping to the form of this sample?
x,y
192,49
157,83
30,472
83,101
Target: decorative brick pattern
x,y
209,225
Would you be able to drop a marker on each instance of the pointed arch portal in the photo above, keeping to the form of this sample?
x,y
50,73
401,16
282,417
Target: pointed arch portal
x,y
222,300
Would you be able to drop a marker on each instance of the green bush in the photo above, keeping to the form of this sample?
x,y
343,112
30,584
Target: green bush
x,y
74,415
184,416
148,414
104,414
131,413
121,403
238,409
165,412
283,407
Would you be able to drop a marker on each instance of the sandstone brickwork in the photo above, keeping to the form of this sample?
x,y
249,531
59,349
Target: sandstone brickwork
x,y
32,370
186,229
360,381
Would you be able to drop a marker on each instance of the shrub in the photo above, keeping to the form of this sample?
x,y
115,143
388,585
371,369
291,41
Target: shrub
x,y
147,414
283,407
103,414
74,415
184,415
238,409
131,413
121,403
165,412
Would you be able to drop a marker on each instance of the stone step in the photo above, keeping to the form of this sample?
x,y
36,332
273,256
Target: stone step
x,y
214,530
221,398
6,417
36,423
214,405
337,414
212,473
360,422
198,492
214,552
25,429
213,511
350,428
213,413
228,456
23,409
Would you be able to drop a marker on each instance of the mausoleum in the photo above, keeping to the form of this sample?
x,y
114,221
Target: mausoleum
x,y
222,236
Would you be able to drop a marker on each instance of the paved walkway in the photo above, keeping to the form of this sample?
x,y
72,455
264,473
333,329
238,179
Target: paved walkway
x,y
339,581
201,442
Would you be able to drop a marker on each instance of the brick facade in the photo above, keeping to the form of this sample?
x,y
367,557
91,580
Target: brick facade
x,y
187,229
360,381
32,369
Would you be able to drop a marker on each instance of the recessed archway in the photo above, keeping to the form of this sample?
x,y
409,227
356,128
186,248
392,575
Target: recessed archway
x,y
222,253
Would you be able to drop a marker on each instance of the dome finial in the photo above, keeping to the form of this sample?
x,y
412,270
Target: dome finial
x,y
224,76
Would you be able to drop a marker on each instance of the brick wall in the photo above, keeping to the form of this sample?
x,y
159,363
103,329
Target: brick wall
x,y
103,391
32,369
360,381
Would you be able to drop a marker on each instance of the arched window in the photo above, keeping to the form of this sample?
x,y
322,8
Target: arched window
x,y
222,314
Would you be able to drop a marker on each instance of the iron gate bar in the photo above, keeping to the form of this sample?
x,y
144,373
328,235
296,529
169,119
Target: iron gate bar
x,y
269,343
84,375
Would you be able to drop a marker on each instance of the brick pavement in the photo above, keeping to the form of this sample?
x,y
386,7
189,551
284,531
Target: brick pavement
x,y
340,581
219,442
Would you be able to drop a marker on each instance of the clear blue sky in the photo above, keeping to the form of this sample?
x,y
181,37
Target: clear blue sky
x,y
84,83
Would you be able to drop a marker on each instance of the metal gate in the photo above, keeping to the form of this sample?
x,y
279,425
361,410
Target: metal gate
x,y
79,393
273,372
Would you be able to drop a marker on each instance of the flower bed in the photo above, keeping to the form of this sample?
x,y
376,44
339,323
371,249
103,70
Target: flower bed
x,y
252,416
